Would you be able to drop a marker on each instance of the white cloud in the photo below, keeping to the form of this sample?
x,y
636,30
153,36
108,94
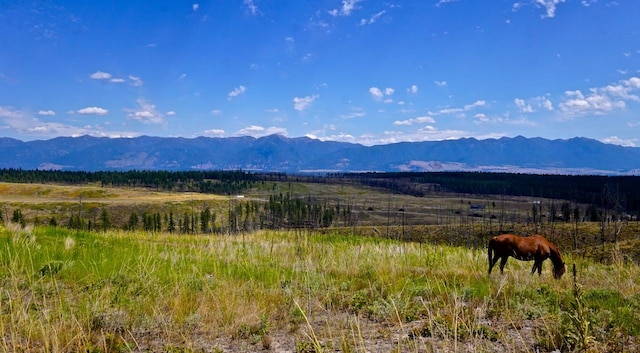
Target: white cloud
x,y
418,120
145,113
601,100
379,94
236,92
117,80
25,124
413,89
214,132
100,75
523,106
92,111
345,10
615,140
170,113
440,83
216,112
46,112
258,131
302,103
549,6
376,92
195,7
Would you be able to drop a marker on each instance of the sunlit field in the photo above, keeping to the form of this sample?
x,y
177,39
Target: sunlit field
x,y
298,291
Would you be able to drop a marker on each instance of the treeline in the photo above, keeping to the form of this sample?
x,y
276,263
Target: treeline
x,y
610,192
211,182
622,192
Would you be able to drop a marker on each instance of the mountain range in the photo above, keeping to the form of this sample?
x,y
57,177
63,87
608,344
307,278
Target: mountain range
x,y
277,153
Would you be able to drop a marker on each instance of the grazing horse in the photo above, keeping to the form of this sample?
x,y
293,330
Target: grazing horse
x,y
535,247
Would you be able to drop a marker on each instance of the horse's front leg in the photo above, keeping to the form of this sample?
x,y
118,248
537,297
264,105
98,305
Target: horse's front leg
x,y
537,264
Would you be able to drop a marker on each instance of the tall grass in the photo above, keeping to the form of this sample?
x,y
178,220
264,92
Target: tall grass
x,y
67,290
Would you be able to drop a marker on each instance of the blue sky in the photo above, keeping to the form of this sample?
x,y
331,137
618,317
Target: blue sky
x,y
362,71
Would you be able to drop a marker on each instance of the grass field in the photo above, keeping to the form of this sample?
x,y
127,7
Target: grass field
x,y
391,285
299,292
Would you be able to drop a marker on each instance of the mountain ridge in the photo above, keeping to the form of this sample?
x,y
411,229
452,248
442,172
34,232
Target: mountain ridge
x,y
277,153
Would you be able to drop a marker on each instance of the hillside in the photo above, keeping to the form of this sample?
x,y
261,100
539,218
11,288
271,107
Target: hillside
x,y
276,153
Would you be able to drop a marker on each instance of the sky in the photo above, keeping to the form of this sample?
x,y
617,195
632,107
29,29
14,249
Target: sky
x,y
360,71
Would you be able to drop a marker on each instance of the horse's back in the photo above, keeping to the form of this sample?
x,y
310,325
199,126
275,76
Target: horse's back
x,y
503,243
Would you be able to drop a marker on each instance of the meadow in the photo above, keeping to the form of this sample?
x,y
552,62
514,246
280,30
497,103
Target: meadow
x,y
393,285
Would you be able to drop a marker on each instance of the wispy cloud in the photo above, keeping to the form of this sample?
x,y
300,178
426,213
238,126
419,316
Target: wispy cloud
x,y
418,120
195,7
442,2
236,92
251,7
549,6
345,10
413,89
302,103
259,131
145,112
533,104
372,19
46,112
356,112
468,107
135,80
615,140
440,83
523,106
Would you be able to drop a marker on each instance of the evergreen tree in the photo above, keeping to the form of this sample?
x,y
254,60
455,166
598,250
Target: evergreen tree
x,y
172,224
105,220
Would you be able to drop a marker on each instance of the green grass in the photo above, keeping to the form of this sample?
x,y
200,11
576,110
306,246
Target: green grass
x,y
66,290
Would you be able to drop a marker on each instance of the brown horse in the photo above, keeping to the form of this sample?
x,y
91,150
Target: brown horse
x,y
535,247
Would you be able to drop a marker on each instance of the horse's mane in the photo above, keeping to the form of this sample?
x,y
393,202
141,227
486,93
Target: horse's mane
x,y
556,260
555,257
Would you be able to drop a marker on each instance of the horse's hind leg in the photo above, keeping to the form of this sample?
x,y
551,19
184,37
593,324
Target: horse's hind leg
x,y
503,262
492,261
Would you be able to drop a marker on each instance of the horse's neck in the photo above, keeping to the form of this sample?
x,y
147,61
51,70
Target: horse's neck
x,y
555,256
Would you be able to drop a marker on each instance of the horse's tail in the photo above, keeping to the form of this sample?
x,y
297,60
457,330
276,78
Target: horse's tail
x,y
490,254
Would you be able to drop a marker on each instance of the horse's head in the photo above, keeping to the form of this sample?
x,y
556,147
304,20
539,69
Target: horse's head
x,y
558,271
